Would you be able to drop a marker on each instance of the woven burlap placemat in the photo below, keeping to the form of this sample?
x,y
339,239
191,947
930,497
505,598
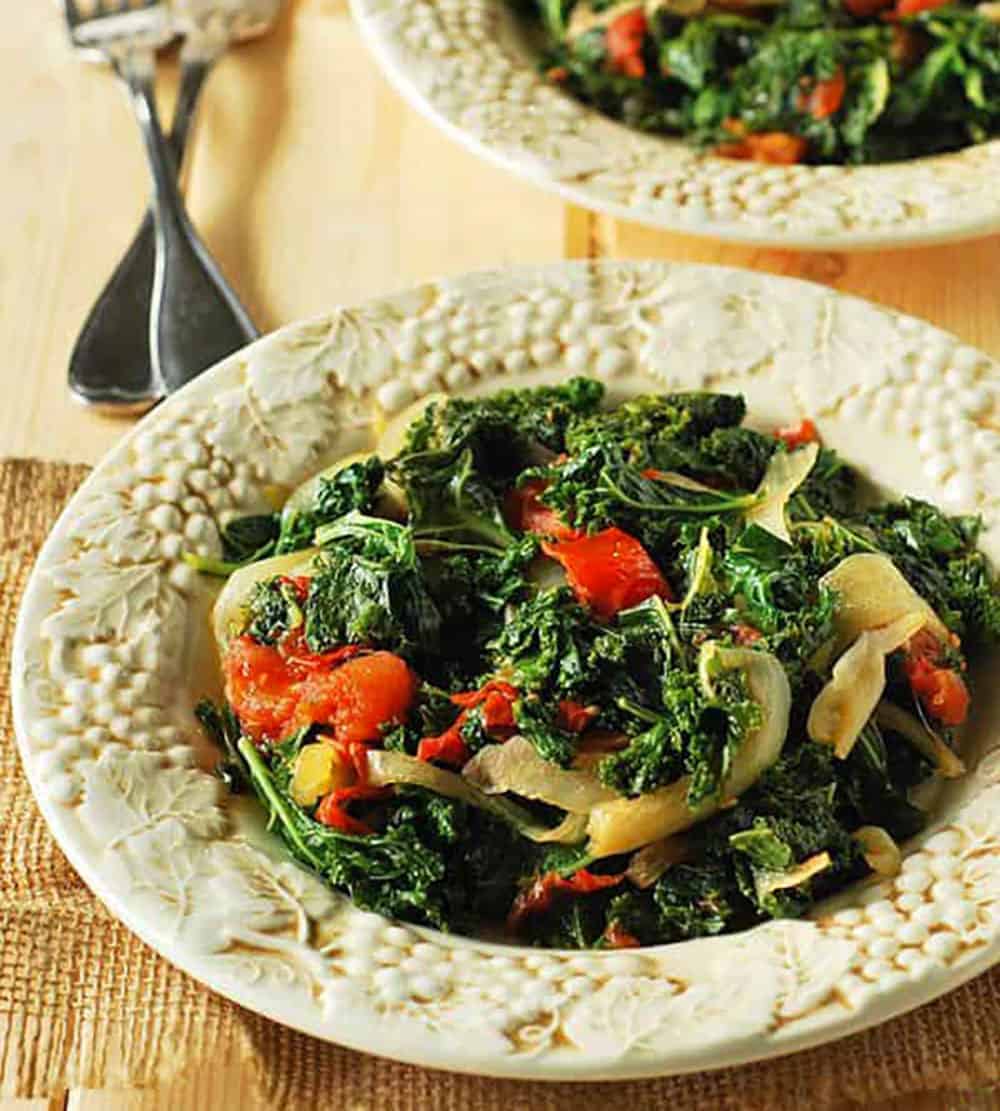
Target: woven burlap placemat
x,y
84,1003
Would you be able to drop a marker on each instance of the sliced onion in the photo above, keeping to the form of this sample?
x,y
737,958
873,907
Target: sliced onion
x,y
229,614
387,769
391,431
872,592
516,767
880,851
842,708
570,831
948,763
766,883
785,473
545,574
652,861
625,824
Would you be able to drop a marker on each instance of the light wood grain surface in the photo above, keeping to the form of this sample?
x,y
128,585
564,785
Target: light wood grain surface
x,y
314,185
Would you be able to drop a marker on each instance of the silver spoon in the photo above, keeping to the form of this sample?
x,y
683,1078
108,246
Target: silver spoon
x,y
167,312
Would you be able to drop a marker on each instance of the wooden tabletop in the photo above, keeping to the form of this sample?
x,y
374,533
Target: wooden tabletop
x,y
314,185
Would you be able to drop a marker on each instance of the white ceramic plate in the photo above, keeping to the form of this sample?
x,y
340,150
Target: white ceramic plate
x,y
110,655
467,66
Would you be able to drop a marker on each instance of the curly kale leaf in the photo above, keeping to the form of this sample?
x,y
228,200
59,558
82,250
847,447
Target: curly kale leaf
x,y
415,866
247,539
368,588
544,647
448,501
472,590
536,720
274,610
599,488
506,430
695,734
831,488
351,489
778,594
223,729
697,900
260,536
658,430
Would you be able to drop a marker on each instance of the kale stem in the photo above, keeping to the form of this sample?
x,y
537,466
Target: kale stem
x,y
264,785
638,711
716,505
208,565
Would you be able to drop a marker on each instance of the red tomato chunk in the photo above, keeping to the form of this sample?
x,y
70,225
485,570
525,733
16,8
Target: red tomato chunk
x,y
609,571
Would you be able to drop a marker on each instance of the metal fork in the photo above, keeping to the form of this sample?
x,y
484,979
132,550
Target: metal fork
x,y
194,317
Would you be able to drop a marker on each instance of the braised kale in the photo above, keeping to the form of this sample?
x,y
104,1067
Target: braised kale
x,y
442,557
809,80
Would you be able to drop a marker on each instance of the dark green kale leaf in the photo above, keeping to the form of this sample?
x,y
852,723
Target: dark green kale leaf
x,y
698,900
368,588
598,488
505,431
694,733
274,610
536,720
260,536
449,502
247,539
738,457
544,647
352,488
875,781
472,591
830,489
778,594
658,430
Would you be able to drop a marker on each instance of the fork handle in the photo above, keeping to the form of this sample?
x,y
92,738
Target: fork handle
x,y
195,317
110,366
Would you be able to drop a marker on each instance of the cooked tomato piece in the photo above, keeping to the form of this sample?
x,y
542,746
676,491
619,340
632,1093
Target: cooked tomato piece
x,y
609,571
261,687
332,810
447,747
795,435
822,99
618,937
543,891
941,690
624,38
745,635
574,717
776,147
294,648
914,7
525,512
496,701
359,698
